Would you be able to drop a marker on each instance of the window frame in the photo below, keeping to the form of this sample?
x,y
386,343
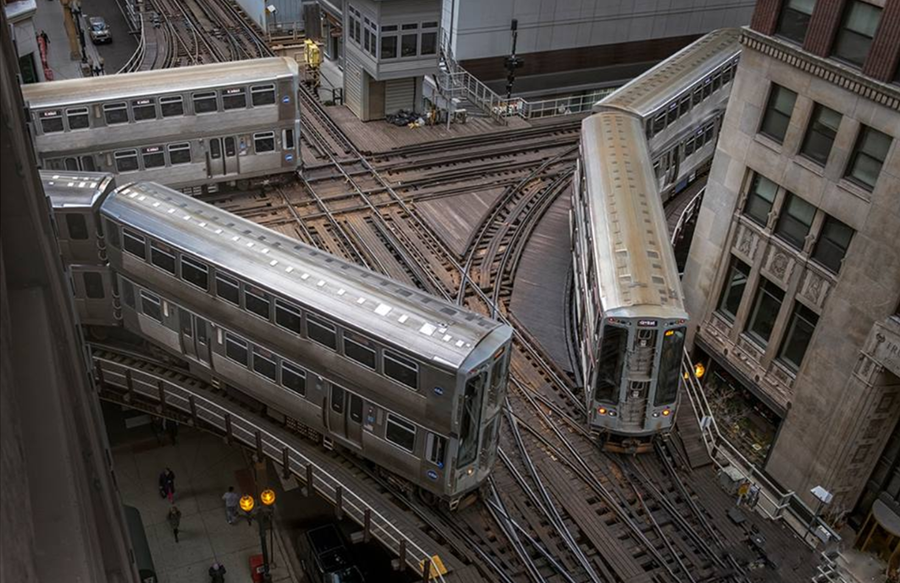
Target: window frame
x,y
318,321
180,147
397,359
154,299
782,225
52,115
231,282
97,284
282,306
116,107
78,231
149,103
78,112
126,155
127,234
261,353
237,341
257,294
168,101
840,34
815,121
199,267
296,371
167,254
734,268
149,152
260,90
262,137
771,109
779,26
398,421
753,194
362,344
858,151
789,332
229,94
204,97
765,286
817,255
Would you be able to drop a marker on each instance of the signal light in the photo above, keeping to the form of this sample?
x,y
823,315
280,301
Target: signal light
x,y
602,410
666,412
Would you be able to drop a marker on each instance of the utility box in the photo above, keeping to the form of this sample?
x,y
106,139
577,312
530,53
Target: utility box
x,y
256,568
730,479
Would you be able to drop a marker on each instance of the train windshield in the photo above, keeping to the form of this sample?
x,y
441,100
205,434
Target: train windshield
x,y
471,420
669,367
610,362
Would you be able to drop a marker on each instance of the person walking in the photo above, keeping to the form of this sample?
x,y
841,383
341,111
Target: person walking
x,y
231,505
46,38
217,573
168,478
174,518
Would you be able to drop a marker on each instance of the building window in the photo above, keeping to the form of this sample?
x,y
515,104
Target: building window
x,y
359,349
150,305
760,199
823,127
795,220
227,288
429,43
868,157
400,432
180,153
236,349
264,142
77,226
205,102
263,363
78,118
735,283
153,157
321,331
857,30
195,272
832,244
287,316
794,19
256,301
143,109
409,45
126,161
115,113
402,370
162,257
765,310
293,377
778,113
171,106
388,47
234,98
799,332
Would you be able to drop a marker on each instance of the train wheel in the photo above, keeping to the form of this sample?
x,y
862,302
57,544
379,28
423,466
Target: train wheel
x,y
430,499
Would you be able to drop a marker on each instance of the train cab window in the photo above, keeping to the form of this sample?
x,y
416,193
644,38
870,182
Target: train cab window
x,y
735,284
111,230
234,98
669,367
180,153
257,301
78,118
77,226
293,377
150,305
470,421
153,157
400,432
264,142
359,349
321,331
287,140
435,449
760,199
287,316
171,106
205,102
93,285
126,160
134,243
401,369
263,363
236,349
227,289
610,362
162,256
195,272
115,113
795,221
143,109
51,122
262,95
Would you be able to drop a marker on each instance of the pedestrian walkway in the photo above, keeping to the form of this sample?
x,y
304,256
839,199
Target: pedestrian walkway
x,y
204,467
50,18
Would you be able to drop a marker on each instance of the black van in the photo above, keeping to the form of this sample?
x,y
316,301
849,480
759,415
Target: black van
x,y
327,557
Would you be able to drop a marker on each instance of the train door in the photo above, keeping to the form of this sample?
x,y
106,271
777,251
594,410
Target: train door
x,y
345,414
231,155
222,157
194,336
186,322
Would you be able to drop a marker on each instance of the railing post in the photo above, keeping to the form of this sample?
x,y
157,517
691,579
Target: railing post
x,y
285,463
259,446
339,502
426,570
99,380
229,438
161,392
402,557
195,420
129,386
309,479
367,525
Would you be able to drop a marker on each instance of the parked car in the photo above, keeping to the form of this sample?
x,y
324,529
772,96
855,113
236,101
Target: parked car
x,y
327,557
99,30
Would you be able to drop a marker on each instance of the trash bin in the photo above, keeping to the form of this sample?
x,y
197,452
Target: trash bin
x,y
256,568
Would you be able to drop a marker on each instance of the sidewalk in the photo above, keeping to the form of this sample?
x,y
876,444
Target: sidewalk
x,y
49,18
204,467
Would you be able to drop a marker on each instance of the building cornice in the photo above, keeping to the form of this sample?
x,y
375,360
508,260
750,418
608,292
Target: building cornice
x,y
827,69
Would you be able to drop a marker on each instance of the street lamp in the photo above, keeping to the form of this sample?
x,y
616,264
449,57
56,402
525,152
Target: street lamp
x,y
263,515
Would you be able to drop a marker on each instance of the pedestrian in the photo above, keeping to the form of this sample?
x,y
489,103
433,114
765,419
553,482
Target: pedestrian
x,y
217,573
95,69
231,505
752,496
102,66
168,479
171,428
174,518
46,38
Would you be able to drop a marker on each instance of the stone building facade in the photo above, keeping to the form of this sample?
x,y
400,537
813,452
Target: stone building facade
x,y
793,279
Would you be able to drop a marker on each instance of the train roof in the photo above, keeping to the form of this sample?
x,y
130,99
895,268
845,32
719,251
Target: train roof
x,y
76,189
635,264
385,309
658,86
154,83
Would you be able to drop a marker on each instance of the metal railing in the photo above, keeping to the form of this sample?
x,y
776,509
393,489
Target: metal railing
x,y
134,62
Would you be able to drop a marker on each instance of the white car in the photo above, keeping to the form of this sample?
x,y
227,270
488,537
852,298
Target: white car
x,y
99,30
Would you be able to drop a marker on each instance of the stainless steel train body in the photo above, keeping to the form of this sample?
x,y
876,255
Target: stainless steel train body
x,y
189,128
681,102
629,305
405,380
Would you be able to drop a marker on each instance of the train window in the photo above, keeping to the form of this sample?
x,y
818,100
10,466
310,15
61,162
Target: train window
x,y
264,142
180,153
126,160
293,377
659,123
498,372
356,405
150,305
400,432
672,114
93,285
287,140
287,316
234,98
321,331
235,349
128,293
171,106
153,157
669,367
111,230
195,272
760,199
735,283
359,349
143,109
215,148
72,164
256,301
707,88
436,449
727,73
471,420
229,146
263,364
684,105
766,306
337,399
51,121
697,96
832,245
77,226
689,147
796,340
227,288
162,256
402,370
717,81
205,102
610,362
87,163
795,221
262,94
78,118
708,133
134,243
115,113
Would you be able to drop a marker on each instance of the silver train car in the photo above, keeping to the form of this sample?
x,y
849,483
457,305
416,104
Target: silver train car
x,y
404,380
191,128
681,103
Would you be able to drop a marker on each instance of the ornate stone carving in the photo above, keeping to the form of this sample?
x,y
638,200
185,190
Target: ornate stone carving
x,y
779,264
815,288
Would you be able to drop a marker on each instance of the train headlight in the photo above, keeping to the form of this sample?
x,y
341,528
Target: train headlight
x,y
666,412
470,471
612,413
602,410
